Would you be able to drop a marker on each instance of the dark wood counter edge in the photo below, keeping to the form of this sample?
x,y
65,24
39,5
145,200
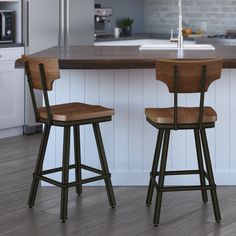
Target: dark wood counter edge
x,y
122,64
100,64
126,57
107,64
229,63
116,64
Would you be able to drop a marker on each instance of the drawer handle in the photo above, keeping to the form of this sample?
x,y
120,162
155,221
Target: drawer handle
x,y
0,55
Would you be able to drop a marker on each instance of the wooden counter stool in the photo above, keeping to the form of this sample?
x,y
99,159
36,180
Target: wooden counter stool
x,y
182,76
41,74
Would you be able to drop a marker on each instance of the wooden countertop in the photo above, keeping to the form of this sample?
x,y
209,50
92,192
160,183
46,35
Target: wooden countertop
x,y
127,57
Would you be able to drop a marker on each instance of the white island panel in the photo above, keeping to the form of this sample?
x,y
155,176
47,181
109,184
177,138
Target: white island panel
x,y
129,140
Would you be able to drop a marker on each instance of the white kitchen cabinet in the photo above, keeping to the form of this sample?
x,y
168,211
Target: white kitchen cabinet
x,y
11,93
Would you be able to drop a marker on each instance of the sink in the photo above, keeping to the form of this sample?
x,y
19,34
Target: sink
x,y
174,47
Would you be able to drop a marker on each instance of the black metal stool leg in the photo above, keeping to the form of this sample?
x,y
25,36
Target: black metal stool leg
x,y
65,174
104,165
210,175
200,165
39,165
154,167
161,177
78,174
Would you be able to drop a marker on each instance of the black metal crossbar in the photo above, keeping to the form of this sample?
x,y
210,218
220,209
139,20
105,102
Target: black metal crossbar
x,y
54,170
72,184
180,172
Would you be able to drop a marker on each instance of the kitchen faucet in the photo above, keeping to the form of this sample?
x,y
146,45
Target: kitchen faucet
x,y
179,39
180,29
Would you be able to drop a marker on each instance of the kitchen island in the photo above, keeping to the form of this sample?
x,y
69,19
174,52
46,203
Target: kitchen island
x,y
123,77
127,57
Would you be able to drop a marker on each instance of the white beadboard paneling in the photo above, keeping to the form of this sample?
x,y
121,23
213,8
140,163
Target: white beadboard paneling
x,y
107,100
62,87
210,100
179,140
129,139
62,93
192,100
77,87
121,140
135,120
222,127
149,132
165,99
92,88
50,156
232,123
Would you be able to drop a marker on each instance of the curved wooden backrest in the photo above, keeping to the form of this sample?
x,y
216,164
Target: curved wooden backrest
x,y
189,74
51,68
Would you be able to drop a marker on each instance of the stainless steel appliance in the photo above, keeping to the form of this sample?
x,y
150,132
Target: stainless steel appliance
x,y
6,26
228,39
102,23
48,23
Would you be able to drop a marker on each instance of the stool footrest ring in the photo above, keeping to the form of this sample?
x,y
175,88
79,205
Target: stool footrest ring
x,y
75,183
179,172
186,188
182,188
89,168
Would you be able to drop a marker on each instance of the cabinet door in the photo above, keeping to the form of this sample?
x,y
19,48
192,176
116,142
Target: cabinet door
x,y
11,96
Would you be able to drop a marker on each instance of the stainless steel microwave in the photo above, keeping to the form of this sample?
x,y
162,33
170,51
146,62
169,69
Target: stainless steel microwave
x,y
6,26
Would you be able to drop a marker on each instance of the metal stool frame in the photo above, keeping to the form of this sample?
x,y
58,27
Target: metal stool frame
x,y
39,174
161,149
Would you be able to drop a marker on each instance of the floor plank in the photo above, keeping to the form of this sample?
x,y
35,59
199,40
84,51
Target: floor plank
x,y
183,213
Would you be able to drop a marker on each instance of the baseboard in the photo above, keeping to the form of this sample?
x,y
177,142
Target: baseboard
x,y
142,179
11,132
32,129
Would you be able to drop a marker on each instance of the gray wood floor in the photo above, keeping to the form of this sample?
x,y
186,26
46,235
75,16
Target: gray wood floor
x,y
183,214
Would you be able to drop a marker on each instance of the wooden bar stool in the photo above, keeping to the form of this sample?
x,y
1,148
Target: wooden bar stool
x,y
182,76
41,74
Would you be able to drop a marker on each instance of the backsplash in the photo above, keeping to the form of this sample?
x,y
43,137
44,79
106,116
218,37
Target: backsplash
x,y
162,15
126,8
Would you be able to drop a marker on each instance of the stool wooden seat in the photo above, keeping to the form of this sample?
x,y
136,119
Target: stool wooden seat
x,y
184,76
75,112
41,73
186,115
